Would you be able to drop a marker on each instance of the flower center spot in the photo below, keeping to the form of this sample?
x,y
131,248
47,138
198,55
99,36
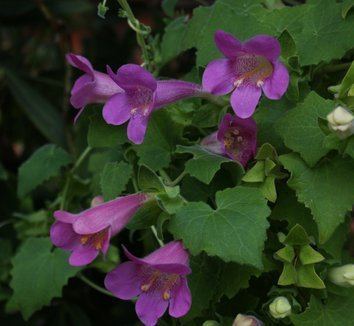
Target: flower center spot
x,y
94,240
252,69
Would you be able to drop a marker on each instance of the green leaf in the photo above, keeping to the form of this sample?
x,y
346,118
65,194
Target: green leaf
x,y
204,272
307,277
334,246
347,82
235,231
350,147
266,116
233,278
41,112
300,130
114,179
204,164
101,134
337,311
149,181
38,275
171,44
35,224
286,254
316,187
168,6
160,141
318,29
289,209
146,216
255,174
229,15
308,255
105,263
44,163
288,275
297,236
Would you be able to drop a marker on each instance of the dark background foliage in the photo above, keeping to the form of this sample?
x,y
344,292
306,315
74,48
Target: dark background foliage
x,y
35,35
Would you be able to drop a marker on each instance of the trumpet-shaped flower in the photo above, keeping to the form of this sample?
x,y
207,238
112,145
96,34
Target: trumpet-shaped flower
x,y
236,139
92,87
247,69
142,94
87,233
159,280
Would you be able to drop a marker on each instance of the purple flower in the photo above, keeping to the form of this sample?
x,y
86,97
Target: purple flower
x,y
92,87
159,280
87,233
142,94
247,69
236,138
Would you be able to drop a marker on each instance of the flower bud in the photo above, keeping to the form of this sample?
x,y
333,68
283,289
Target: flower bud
x,y
98,200
341,121
246,320
211,323
342,276
280,308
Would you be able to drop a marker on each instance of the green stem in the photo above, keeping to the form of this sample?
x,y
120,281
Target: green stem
x,y
70,174
165,176
136,26
94,285
177,180
213,99
154,231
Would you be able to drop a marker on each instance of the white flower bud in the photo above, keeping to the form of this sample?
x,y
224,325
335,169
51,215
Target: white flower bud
x,y
280,308
342,276
211,323
246,320
341,121
98,200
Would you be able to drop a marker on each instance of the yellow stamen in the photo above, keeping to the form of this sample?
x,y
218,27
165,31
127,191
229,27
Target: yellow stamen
x,y
166,295
145,287
84,239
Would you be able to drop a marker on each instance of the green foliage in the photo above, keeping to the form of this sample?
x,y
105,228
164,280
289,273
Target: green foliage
x,y
300,129
205,164
162,136
38,275
100,134
314,188
37,108
235,231
114,179
299,260
337,311
42,165
301,177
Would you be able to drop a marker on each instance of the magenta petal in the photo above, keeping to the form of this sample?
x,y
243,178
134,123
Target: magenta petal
x,y
65,217
212,144
263,45
63,236
171,258
169,91
80,62
244,100
117,110
124,281
82,91
115,214
106,240
181,299
137,128
219,77
150,307
276,85
131,76
82,255
229,45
